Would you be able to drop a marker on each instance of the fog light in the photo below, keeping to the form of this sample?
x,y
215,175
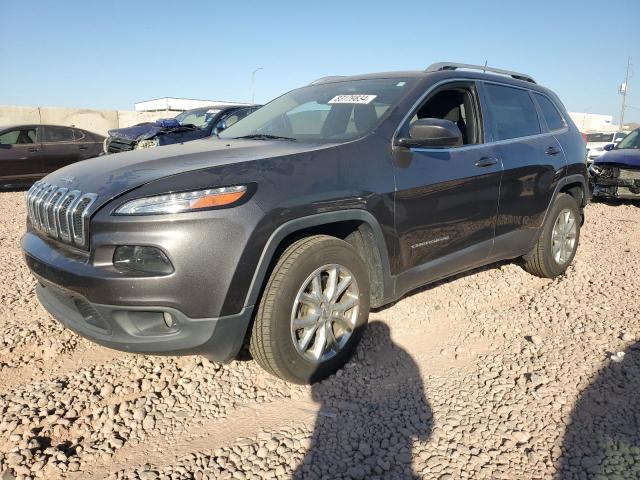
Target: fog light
x,y
168,320
142,259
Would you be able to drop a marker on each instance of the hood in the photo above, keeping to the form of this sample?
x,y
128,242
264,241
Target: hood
x,y
144,131
629,157
112,175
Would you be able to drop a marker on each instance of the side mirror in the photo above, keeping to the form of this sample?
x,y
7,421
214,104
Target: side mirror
x,y
609,147
432,132
220,126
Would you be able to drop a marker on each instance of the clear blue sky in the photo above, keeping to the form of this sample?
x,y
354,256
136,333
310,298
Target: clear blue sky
x,y
110,54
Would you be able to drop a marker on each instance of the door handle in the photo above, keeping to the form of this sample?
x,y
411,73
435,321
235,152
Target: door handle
x,y
486,162
32,149
84,148
552,151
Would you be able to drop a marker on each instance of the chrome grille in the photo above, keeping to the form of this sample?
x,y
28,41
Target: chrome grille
x,y
60,213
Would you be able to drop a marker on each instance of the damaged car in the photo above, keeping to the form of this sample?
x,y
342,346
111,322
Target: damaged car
x,y
190,125
616,174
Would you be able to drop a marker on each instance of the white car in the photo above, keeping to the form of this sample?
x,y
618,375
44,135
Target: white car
x,y
597,141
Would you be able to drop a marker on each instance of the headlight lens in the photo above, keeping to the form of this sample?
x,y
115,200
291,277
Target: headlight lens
x,y
183,202
153,142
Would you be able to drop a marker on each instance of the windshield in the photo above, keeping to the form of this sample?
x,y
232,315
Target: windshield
x,y
599,137
327,112
631,141
201,118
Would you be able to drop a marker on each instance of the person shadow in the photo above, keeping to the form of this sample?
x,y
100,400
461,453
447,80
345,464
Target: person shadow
x,y
370,414
602,440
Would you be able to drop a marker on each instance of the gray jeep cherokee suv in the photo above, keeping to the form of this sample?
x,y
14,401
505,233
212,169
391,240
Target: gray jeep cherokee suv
x,y
336,197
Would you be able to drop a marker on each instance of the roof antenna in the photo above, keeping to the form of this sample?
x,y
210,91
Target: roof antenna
x,y
484,70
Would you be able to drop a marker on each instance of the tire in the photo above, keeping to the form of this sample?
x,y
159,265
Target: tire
x,y
276,345
542,260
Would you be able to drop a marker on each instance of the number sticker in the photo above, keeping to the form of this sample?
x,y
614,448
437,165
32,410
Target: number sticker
x,y
352,99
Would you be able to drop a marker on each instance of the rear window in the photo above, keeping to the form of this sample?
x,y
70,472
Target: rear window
x,y
554,119
513,113
599,137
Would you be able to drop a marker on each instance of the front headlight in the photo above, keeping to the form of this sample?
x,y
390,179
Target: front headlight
x,y
153,142
105,145
183,202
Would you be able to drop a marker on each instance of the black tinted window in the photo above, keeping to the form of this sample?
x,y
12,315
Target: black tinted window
x,y
58,134
550,113
512,112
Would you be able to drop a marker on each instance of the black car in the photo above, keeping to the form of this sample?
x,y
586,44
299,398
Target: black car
x,y
336,197
190,125
29,152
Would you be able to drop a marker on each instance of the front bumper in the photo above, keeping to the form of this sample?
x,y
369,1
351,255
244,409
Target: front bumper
x,y
206,311
157,330
623,188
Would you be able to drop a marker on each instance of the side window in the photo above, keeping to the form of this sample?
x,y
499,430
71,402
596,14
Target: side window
x,y
58,134
458,106
79,135
554,119
513,113
19,136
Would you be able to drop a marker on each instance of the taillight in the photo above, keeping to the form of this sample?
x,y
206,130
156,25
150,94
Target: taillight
x,y
584,137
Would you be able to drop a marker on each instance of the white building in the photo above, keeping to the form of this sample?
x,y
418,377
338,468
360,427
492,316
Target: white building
x,y
593,122
169,104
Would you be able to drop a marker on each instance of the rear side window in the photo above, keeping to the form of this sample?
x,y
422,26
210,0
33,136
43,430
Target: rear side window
x,y
79,135
513,113
58,134
554,120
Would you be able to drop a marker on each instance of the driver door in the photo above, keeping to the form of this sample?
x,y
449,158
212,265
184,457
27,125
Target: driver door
x,y
20,153
446,199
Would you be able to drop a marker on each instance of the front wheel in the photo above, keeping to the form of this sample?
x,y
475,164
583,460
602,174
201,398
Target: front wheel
x,y
558,242
313,311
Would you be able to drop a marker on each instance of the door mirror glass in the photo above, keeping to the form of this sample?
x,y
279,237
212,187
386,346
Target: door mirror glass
x,y
432,132
220,126
609,147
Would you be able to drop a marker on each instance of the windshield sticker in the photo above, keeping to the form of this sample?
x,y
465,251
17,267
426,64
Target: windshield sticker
x,y
352,99
401,84
212,111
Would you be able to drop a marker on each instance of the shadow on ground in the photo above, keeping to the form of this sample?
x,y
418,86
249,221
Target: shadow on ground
x,y
603,439
370,414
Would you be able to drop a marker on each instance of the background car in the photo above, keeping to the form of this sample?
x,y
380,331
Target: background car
x,y
29,152
190,125
597,141
616,174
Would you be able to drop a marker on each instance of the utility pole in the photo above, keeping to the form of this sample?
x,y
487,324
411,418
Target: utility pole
x,y
624,88
253,84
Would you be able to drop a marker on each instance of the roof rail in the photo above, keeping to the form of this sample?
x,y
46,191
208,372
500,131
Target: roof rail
x,y
438,67
326,79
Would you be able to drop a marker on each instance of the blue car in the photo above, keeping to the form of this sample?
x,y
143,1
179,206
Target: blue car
x,y
616,174
190,125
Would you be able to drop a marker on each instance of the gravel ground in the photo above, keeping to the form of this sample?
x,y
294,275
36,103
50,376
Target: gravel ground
x,y
494,374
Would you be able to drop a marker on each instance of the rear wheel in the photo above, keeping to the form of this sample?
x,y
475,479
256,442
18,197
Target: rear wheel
x,y
313,311
558,241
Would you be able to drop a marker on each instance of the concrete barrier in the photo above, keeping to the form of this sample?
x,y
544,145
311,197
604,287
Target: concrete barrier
x,y
98,121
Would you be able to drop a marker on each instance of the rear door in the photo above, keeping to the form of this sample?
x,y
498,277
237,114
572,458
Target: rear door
x,y
86,144
446,198
533,164
20,151
59,148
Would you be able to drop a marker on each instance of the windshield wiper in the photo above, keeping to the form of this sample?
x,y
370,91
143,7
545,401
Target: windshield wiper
x,y
265,136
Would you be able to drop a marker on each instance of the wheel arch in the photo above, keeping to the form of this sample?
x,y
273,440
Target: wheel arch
x,y
358,227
